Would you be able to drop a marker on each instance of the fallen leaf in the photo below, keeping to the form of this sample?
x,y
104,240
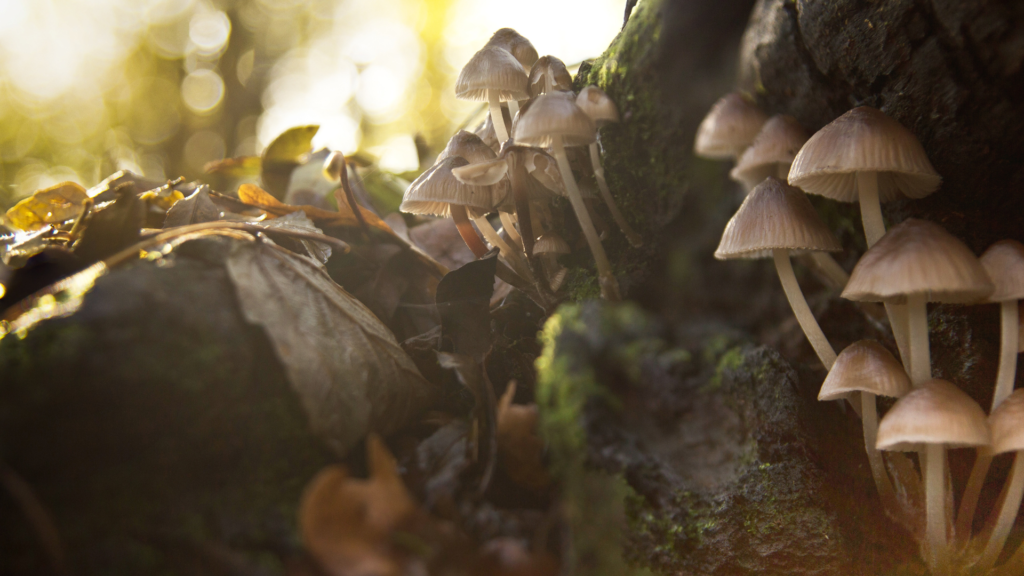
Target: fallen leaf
x,y
284,155
347,524
112,228
520,449
104,191
48,206
463,302
347,367
473,376
195,209
241,167
299,221
441,459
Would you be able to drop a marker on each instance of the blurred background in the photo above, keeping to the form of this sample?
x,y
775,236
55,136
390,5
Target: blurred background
x,y
161,87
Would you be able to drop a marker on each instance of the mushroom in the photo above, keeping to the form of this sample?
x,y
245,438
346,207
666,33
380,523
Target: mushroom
x,y
521,49
493,75
437,192
730,126
1007,425
548,247
1004,262
776,220
602,111
868,368
868,157
772,151
918,262
555,120
933,417
549,73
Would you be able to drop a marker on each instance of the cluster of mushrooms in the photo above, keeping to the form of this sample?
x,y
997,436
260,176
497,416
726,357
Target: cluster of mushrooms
x,y
517,162
864,156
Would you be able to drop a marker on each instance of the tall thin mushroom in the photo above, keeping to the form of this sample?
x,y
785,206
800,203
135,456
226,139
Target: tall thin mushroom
x,y
1007,424
555,120
548,73
867,369
521,48
493,75
729,127
918,262
1004,262
776,220
931,418
867,157
602,111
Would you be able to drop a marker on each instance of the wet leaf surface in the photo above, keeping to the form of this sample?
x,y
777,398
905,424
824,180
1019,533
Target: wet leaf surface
x,y
347,366
194,209
54,204
114,228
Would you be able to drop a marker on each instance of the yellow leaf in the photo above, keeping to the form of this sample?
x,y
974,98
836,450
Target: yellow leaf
x,y
54,204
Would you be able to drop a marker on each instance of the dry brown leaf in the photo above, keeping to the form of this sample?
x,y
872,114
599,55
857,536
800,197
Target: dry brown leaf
x,y
520,449
349,371
48,206
347,523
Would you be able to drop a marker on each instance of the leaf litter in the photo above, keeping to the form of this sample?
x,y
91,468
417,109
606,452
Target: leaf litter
x,y
335,291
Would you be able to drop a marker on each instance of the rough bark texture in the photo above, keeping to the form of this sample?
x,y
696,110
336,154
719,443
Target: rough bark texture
x,y
950,72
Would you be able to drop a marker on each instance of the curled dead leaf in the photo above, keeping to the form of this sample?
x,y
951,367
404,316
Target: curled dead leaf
x,y
351,374
520,449
348,524
48,206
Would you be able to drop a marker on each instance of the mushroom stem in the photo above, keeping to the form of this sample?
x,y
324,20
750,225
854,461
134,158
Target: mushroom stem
x,y
609,285
935,494
465,228
920,356
1007,514
969,502
521,197
510,227
897,314
800,309
513,109
498,242
870,207
496,118
827,268
869,415
1007,352
1004,387
634,239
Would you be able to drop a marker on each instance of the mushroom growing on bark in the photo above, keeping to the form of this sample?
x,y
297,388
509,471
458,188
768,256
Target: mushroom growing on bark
x,y
1007,424
548,74
865,156
776,220
602,111
555,120
918,262
931,418
493,75
772,151
1004,262
867,369
730,126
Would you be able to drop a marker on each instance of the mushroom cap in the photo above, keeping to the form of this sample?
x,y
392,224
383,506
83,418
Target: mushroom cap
x,y
918,257
516,44
1004,262
469,146
597,105
864,140
555,70
774,215
482,173
492,69
777,143
730,126
936,412
550,243
433,191
553,114
865,366
1007,424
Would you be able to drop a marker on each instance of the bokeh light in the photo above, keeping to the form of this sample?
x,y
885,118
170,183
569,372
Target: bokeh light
x,y
162,87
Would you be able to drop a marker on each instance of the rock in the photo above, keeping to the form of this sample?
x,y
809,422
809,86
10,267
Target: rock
x,y
156,426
